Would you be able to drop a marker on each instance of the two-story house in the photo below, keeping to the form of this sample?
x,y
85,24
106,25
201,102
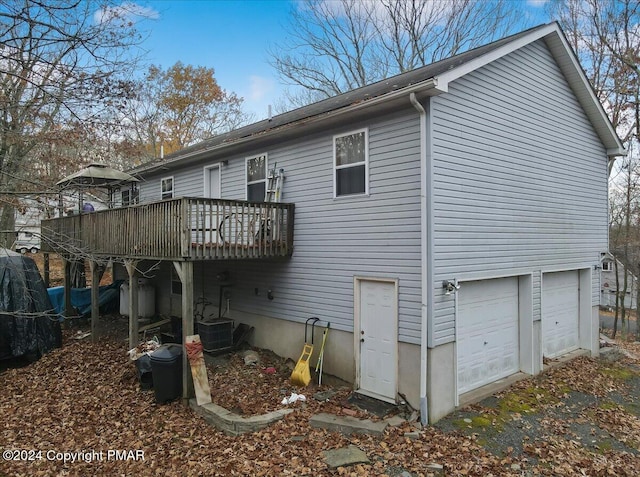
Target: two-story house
x,y
449,222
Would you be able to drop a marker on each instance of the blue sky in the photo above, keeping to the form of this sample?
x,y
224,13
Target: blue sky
x,y
232,37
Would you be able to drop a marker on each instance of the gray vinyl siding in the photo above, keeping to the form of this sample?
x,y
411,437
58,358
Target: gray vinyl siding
x,y
186,183
520,179
335,239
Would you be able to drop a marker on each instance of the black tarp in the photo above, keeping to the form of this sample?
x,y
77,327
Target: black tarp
x,y
28,325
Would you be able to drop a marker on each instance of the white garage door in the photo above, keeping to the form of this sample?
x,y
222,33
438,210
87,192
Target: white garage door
x,y
488,336
560,312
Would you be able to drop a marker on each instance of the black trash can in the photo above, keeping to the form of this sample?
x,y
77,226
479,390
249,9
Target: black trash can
x,y
145,376
166,366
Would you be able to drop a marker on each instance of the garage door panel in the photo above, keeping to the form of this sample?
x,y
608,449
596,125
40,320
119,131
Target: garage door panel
x,y
560,312
488,335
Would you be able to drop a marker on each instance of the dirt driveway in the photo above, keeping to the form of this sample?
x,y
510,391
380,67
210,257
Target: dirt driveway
x,y
80,411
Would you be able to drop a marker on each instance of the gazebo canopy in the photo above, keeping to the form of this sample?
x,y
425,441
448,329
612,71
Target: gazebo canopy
x,y
96,175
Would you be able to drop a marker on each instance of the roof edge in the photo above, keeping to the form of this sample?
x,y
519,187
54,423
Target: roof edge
x,y
428,84
574,74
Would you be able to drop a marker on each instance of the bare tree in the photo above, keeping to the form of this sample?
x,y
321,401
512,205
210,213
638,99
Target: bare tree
x,y
605,36
61,61
336,46
623,236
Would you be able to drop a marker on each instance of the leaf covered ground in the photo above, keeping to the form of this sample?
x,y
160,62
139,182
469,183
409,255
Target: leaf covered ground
x,y
84,402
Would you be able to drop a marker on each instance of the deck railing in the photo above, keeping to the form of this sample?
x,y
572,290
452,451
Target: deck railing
x,y
185,228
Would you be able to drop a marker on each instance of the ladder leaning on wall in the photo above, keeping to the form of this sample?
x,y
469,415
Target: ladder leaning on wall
x,y
270,227
275,178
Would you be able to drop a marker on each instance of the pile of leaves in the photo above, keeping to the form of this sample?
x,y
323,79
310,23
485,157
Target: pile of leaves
x,y
259,387
85,400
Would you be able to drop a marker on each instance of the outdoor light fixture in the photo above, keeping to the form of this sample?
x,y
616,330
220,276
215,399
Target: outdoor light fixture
x,y
450,286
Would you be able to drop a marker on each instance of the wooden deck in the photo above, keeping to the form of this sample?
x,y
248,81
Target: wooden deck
x,y
176,229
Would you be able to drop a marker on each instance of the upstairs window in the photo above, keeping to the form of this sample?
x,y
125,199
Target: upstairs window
x,y
257,178
129,197
166,186
607,266
351,157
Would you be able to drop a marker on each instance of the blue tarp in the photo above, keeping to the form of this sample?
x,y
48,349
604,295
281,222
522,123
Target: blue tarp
x,y
108,299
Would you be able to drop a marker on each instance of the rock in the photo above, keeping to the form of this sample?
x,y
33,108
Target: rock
x,y
606,339
611,354
323,396
345,457
515,467
251,358
395,421
412,435
435,469
347,424
467,420
290,364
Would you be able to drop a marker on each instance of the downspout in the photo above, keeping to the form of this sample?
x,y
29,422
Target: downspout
x,y
426,254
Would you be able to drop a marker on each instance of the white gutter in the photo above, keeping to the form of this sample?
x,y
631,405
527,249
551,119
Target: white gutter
x,y
426,253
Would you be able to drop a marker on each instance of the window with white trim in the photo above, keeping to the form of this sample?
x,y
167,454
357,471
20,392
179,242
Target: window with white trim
x,y
129,196
607,266
257,178
351,158
166,188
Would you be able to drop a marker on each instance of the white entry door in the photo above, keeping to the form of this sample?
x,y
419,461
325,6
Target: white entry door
x,y
560,312
210,221
212,182
487,332
377,338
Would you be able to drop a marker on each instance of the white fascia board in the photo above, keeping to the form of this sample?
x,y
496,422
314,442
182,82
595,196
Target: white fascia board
x,y
444,79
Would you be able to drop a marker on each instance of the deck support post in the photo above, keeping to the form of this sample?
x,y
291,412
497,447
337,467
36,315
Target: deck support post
x,y
68,308
185,272
95,310
133,302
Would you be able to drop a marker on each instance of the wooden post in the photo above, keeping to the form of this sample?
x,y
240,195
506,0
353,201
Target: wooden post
x,y
133,303
185,272
95,309
290,219
47,269
185,239
68,308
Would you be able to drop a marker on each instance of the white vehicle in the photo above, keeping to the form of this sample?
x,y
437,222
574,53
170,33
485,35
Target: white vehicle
x,y
27,242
